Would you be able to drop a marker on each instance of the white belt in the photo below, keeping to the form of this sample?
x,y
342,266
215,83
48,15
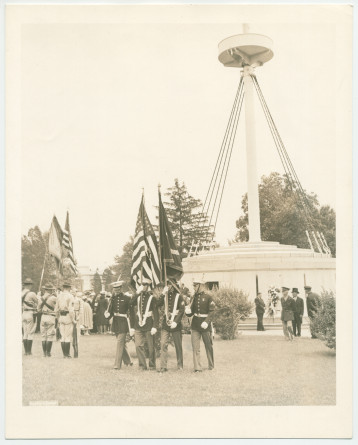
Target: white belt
x,y
201,315
174,313
117,314
149,314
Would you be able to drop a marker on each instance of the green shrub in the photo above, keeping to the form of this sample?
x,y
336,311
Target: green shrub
x,y
324,323
232,305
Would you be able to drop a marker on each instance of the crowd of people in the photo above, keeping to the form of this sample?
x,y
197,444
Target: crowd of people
x,y
292,310
66,313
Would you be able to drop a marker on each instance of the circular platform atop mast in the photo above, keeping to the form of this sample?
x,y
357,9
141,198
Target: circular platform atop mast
x,y
245,49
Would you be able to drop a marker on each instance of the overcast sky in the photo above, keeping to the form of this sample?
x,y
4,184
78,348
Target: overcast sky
x,y
110,108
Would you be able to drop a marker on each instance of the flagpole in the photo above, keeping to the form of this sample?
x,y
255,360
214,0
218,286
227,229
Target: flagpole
x,y
43,270
160,246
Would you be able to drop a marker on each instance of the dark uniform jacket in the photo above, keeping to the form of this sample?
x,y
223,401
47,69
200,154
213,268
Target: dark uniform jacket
x,y
288,309
179,309
202,304
120,304
312,302
299,306
260,305
153,320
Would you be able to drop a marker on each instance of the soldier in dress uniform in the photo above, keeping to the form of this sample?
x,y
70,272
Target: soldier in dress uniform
x,y
46,307
201,308
174,307
121,311
29,306
146,322
312,304
65,312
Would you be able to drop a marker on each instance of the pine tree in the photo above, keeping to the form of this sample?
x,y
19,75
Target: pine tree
x,y
97,283
187,222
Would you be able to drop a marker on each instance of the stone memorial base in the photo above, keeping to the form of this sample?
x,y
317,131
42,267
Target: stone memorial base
x,y
248,266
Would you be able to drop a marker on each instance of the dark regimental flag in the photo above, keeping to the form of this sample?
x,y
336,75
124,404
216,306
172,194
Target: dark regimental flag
x,y
145,262
68,257
171,265
55,242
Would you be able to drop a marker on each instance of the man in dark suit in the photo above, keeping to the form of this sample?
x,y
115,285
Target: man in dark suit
x,y
312,304
260,310
287,313
298,314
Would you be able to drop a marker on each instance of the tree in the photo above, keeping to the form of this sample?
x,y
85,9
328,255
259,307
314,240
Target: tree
x,y
123,263
97,283
187,222
34,256
281,216
108,278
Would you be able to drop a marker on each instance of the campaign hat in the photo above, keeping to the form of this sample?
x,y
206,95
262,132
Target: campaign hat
x,y
285,288
49,286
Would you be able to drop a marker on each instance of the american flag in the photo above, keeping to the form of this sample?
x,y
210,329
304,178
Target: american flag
x,y
145,262
68,257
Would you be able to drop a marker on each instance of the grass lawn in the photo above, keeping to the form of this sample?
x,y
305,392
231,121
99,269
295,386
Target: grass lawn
x,y
251,370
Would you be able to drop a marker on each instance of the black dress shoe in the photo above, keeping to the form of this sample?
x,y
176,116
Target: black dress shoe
x,y
197,370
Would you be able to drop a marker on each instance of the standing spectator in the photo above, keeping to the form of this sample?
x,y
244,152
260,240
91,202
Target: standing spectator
x,y
87,317
102,321
287,313
260,310
312,304
298,314
94,305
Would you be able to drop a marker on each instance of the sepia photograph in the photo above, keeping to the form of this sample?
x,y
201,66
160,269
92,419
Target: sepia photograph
x,y
179,220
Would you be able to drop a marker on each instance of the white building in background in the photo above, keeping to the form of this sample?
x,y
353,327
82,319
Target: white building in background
x,y
86,274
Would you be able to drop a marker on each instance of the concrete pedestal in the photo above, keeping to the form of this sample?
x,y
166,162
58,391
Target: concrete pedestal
x,y
268,263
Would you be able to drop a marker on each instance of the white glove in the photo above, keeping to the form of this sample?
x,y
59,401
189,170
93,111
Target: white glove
x,y
165,290
82,327
153,331
131,332
140,289
204,325
173,325
188,310
128,294
107,314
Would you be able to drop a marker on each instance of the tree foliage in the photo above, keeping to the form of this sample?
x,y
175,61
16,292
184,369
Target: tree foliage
x,y
33,251
324,322
187,222
34,248
232,306
97,283
281,218
123,264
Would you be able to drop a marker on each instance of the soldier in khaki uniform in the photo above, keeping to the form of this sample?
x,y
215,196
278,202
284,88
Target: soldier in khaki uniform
x,y
77,321
29,306
46,307
65,312
201,308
